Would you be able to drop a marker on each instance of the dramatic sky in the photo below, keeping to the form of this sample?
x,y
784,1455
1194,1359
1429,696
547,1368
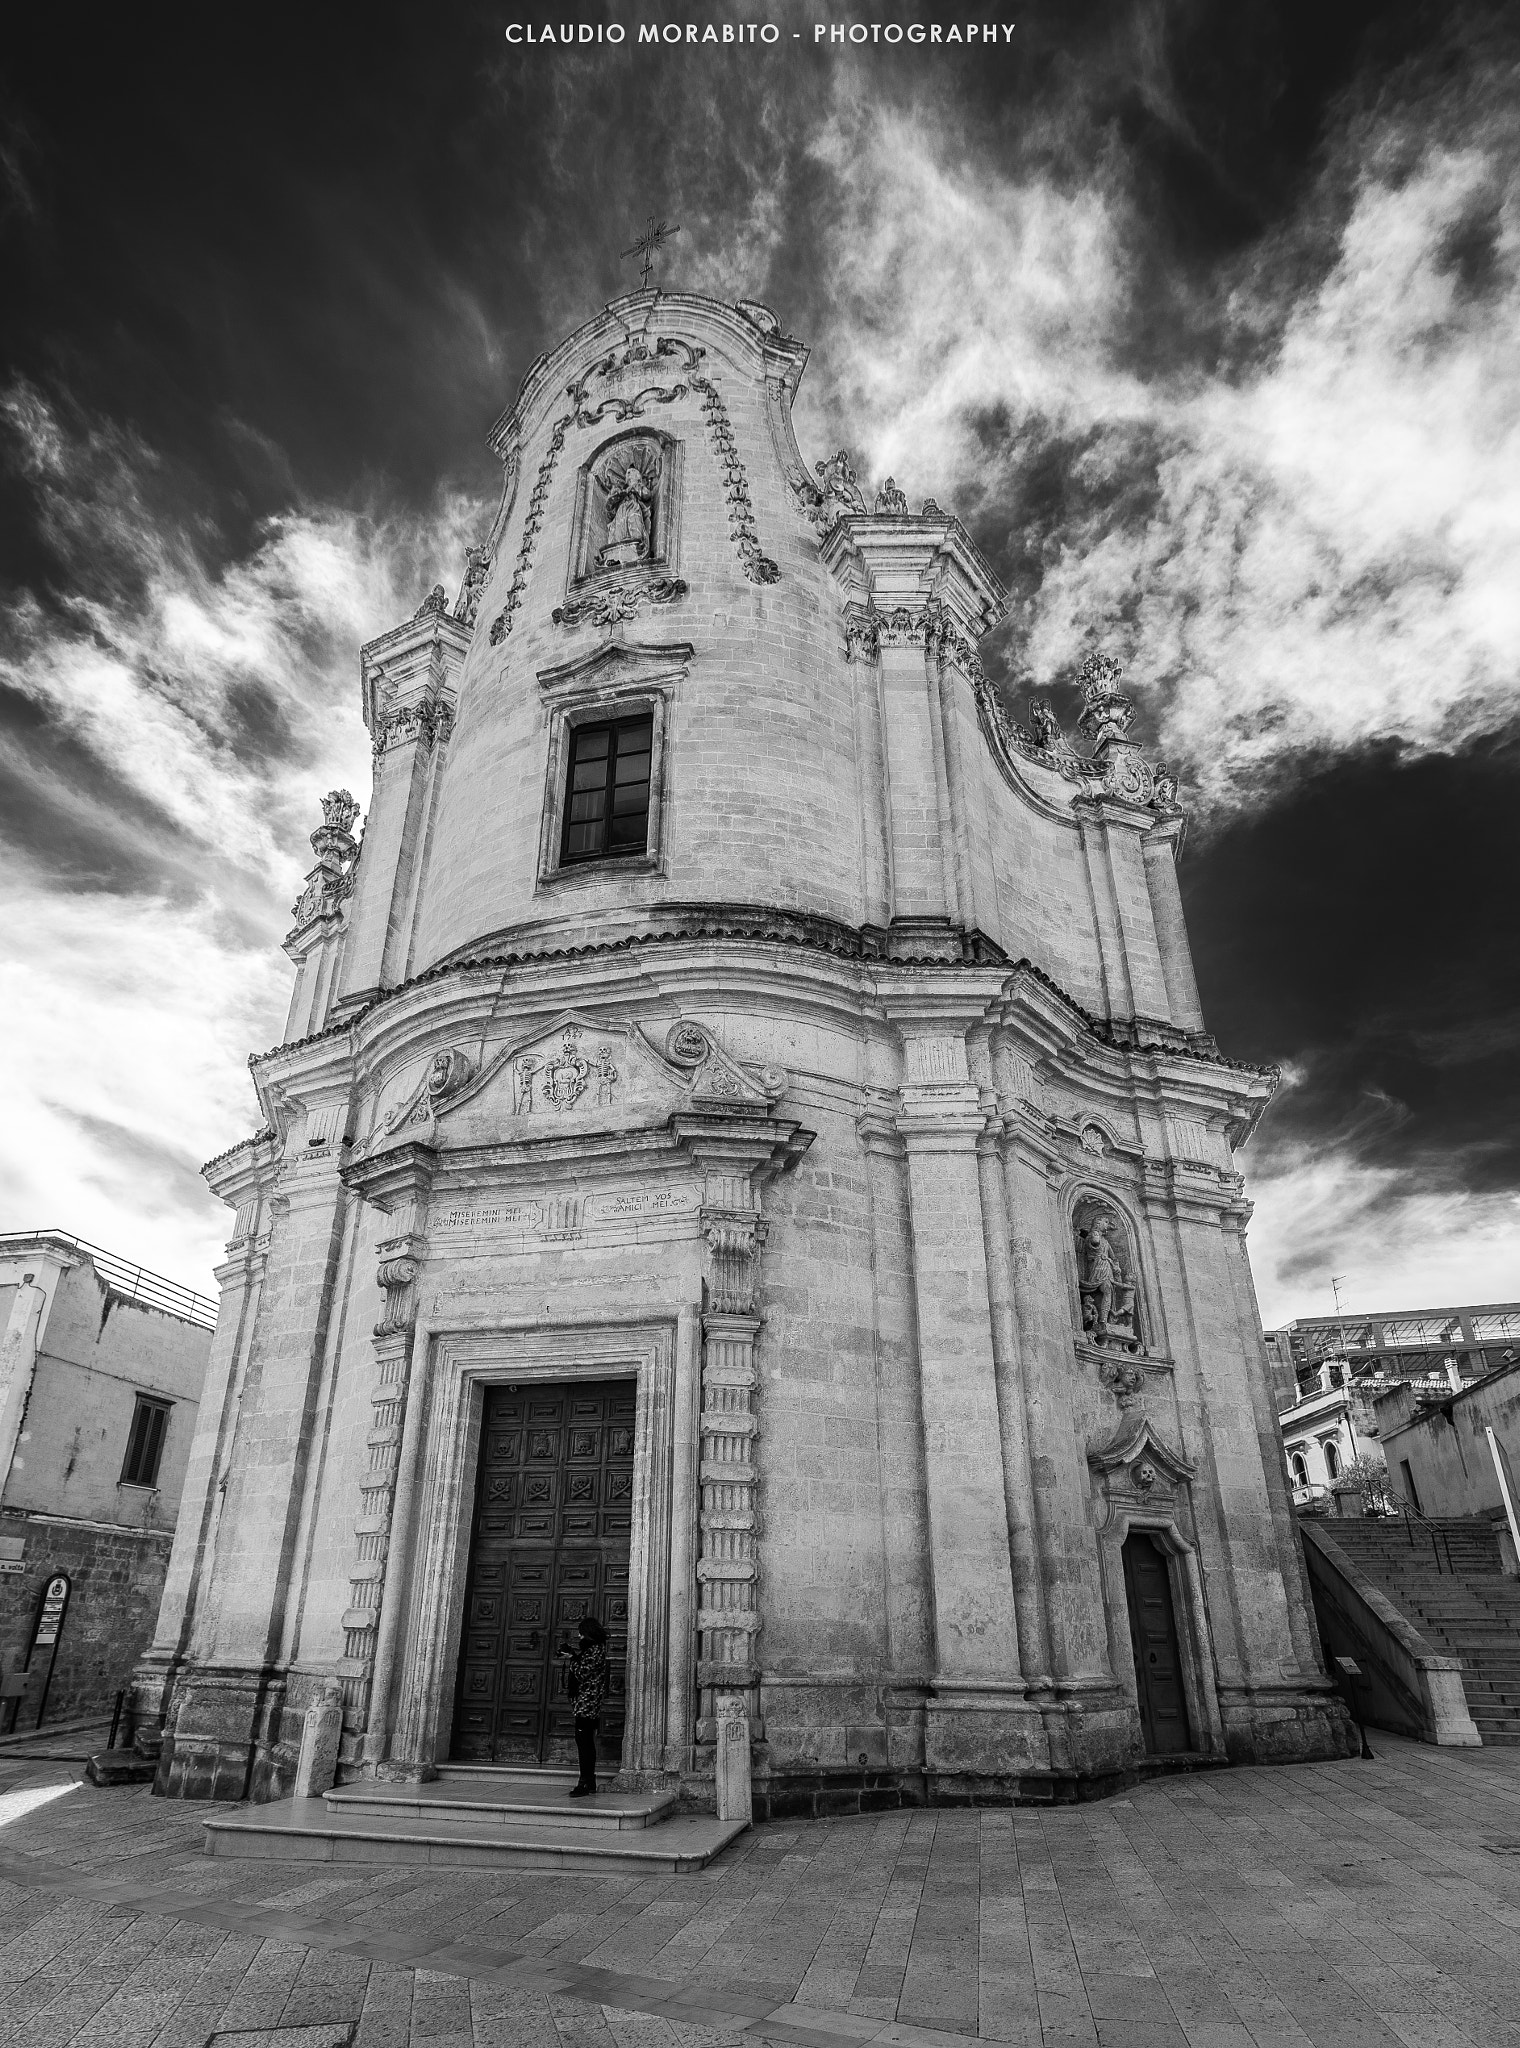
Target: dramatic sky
x,y
1204,313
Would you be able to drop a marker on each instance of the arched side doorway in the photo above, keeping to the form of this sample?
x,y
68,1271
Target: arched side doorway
x,y
1158,1651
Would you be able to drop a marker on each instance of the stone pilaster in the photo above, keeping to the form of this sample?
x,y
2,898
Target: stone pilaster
x,y
409,681
398,1183
738,1148
978,1725
728,1613
240,1177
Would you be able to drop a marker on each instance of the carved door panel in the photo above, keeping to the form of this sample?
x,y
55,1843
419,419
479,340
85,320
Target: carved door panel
x,y
1158,1655
548,1544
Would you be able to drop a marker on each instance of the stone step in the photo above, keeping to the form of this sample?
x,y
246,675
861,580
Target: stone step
x,y
496,1799
311,1831
519,1774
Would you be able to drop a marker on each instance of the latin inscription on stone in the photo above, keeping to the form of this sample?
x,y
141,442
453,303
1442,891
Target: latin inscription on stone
x,y
500,1216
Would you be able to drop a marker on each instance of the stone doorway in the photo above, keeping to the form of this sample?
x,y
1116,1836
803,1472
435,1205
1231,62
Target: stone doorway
x,y
1158,1652
549,1542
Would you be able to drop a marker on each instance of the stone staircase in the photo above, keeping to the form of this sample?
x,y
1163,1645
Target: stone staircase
x,y
1444,1575
470,1816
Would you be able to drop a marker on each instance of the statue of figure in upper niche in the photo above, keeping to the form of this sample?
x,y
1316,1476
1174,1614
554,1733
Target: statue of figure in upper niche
x,y
628,479
1105,1280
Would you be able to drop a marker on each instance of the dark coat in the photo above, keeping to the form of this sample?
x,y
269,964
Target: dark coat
x,y
586,1680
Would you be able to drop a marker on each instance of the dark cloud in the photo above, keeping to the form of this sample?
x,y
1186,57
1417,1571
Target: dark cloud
x,y
1356,931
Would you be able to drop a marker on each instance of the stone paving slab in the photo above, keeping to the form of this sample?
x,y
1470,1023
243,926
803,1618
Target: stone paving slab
x,y
1347,1905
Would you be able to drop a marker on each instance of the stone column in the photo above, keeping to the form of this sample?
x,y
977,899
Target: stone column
x,y
397,1182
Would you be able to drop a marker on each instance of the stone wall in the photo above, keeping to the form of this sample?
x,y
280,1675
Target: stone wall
x,y
1447,1451
117,1577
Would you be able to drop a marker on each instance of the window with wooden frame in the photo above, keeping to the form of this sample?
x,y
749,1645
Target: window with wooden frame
x,y
607,790
145,1444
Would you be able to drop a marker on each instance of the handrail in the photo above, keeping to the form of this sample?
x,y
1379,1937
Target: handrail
x,y
122,1278
1411,1514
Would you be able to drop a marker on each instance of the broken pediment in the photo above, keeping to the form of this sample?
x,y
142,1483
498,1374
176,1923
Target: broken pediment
x,y
578,1073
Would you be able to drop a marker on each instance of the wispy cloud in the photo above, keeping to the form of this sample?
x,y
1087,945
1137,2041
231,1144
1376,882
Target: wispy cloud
x,y
184,714
1297,517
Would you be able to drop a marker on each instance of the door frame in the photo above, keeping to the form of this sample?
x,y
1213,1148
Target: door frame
x,y
1189,1615
1159,1551
661,1641
553,1673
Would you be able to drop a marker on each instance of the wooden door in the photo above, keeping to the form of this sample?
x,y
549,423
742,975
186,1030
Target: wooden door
x,y
1158,1656
548,1544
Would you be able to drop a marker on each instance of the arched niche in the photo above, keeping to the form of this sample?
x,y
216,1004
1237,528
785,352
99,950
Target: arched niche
x,y
627,508
1108,1275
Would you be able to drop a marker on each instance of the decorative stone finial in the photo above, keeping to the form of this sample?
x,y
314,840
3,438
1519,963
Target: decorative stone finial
x,y
1107,711
890,500
332,879
435,603
339,810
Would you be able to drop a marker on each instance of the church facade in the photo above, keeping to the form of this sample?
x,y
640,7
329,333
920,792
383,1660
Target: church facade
x,y
745,1161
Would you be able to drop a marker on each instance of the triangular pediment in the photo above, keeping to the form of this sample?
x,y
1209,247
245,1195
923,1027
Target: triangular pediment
x,y
576,1073
617,661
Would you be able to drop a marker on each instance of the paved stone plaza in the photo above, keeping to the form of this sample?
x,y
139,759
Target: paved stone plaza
x,y
1344,1905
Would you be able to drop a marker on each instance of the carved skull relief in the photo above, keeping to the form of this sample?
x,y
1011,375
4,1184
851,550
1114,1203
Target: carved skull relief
x,y
1106,1276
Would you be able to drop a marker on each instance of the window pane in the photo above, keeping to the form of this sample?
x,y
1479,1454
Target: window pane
x,y
145,1443
607,793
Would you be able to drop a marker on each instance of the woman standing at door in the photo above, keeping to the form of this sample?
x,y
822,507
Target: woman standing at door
x,y
586,1682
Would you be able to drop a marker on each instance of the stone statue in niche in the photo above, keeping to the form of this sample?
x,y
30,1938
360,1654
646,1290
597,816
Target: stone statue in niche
x,y
1105,1278
628,482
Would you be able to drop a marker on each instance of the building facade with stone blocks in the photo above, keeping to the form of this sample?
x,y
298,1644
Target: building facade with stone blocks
x,y
101,1367
746,1160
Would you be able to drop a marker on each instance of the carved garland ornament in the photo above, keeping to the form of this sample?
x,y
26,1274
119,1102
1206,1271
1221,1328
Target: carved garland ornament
x,y
758,567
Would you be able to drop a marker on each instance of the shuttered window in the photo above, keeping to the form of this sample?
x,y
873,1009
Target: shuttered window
x,y
607,798
145,1445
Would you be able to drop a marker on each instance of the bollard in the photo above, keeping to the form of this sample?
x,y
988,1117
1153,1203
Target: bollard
x,y
731,1764
320,1734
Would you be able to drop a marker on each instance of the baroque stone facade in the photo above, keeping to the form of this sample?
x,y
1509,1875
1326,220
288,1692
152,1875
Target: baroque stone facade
x,y
855,1116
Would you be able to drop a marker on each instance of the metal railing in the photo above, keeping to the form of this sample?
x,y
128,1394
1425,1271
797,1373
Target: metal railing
x,y
126,1281
1410,1514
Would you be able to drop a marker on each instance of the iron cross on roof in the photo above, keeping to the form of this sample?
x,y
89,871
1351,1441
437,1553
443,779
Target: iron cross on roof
x,y
656,233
